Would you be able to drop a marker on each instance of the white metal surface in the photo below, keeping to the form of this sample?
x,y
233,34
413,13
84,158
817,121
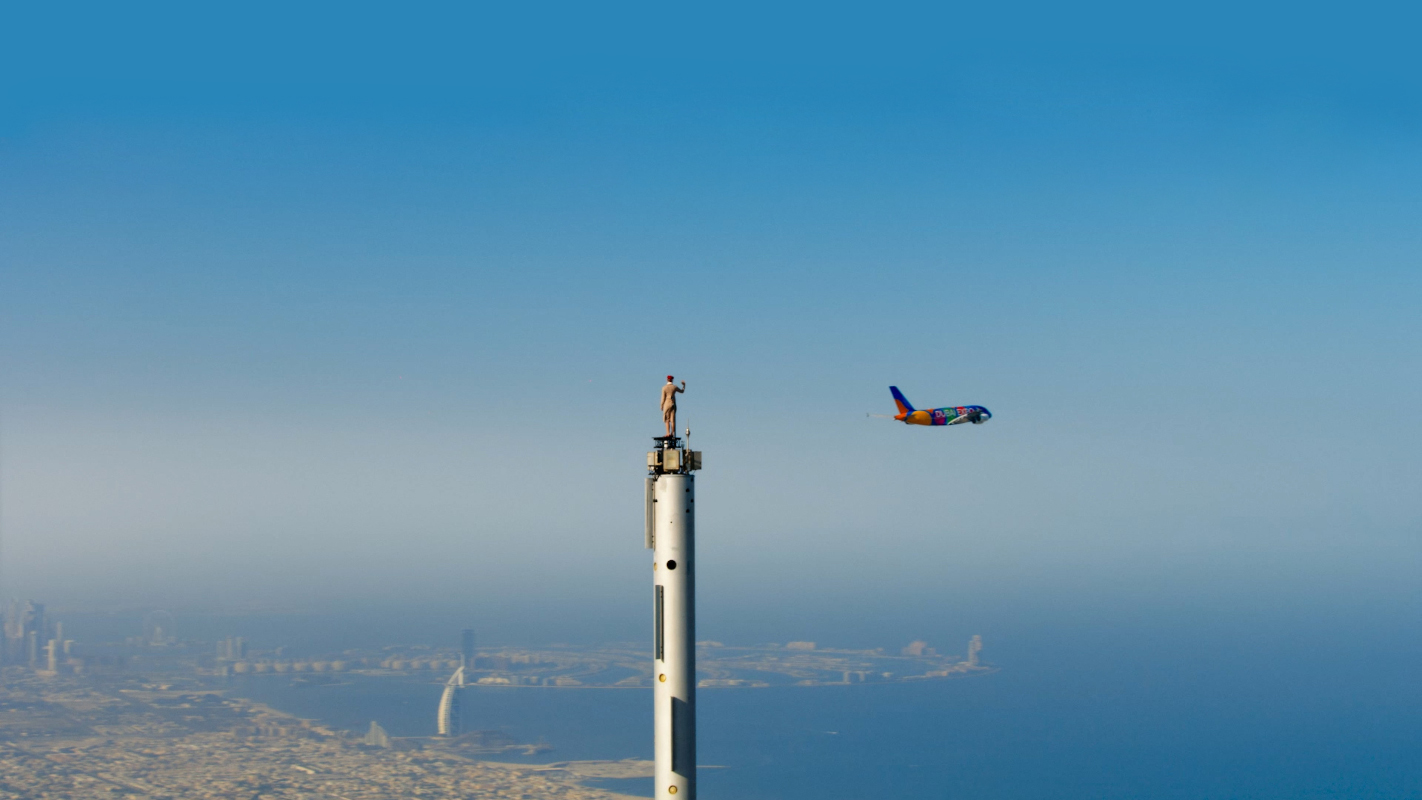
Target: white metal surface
x,y
674,614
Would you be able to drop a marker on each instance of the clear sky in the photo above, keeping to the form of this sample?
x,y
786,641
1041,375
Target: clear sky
x,y
309,304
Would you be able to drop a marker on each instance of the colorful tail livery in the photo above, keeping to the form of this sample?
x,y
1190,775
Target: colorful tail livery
x,y
952,415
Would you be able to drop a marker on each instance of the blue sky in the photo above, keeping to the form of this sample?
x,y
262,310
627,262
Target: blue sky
x,y
333,302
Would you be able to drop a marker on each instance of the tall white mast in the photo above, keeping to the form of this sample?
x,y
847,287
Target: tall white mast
x,y
671,535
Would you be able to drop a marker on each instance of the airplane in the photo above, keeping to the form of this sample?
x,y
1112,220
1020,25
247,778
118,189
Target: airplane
x,y
952,415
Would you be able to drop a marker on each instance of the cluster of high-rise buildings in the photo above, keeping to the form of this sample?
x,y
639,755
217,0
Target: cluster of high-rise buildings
x,y
233,648
33,640
24,629
920,649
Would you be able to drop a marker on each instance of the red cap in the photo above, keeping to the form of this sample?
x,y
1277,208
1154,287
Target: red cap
x,y
669,377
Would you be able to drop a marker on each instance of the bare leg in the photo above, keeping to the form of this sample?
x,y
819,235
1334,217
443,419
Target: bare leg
x,y
669,417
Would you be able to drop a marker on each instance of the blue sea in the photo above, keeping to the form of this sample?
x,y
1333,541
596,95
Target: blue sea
x,y
1301,704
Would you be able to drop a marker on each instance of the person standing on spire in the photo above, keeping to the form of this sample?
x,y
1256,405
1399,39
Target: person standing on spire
x,y
669,404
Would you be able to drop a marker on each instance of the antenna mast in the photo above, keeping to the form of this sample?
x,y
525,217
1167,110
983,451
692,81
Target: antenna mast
x,y
670,534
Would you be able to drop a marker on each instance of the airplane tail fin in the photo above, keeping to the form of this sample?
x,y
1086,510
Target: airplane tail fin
x,y
901,401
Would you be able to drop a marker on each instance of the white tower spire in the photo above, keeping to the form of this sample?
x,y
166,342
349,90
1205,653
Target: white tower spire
x,y
670,534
